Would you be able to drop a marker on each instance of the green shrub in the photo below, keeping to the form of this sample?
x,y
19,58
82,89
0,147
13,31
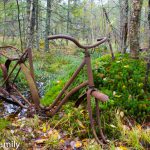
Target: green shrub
x,y
123,81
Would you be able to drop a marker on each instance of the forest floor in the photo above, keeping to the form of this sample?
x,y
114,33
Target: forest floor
x,y
69,129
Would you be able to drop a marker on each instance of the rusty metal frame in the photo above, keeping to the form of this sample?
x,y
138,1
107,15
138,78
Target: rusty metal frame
x,y
8,86
62,97
91,91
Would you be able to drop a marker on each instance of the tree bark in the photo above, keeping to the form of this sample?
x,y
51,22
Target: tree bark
x,y
19,24
135,28
68,17
37,23
91,21
48,19
31,23
114,31
149,20
123,25
4,32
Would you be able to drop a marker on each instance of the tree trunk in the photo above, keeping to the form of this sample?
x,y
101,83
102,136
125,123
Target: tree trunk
x,y
48,19
91,21
84,23
114,31
68,17
4,22
149,20
19,24
135,28
123,25
31,24
37,23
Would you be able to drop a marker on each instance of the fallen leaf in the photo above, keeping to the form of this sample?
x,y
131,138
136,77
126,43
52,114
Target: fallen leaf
x,y
40,140
78,144
73,143
44,128
121,148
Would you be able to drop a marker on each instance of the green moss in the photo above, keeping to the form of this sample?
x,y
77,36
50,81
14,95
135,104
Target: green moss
x,y
53,92
63,73
123,80
3,124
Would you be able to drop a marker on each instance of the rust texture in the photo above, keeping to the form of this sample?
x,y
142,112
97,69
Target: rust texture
x,y
91,91
8,87
8,84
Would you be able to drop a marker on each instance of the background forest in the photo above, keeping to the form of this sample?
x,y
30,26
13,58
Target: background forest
x,y
120,68
83,19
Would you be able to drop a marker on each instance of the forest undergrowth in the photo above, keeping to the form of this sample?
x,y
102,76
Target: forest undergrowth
x,y
125,117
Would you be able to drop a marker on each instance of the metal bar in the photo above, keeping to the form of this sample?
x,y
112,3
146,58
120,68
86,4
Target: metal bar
x,y
89,70
99,121
14,67
103,39
90,115
16,75
31,62
21,95
100,96
67,85
32,85
11,96
68,95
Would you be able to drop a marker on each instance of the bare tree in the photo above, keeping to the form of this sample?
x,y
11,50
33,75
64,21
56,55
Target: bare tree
x,y
48,19
19,24
149,20
31,23
37,23
123,25
68,17
135,27
4,32
91,21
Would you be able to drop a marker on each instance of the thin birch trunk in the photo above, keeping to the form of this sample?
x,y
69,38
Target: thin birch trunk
x,y
31,25
123,25
135,28
149,20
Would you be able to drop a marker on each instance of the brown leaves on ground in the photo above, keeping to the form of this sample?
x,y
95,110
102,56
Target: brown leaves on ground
x,y
33,133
